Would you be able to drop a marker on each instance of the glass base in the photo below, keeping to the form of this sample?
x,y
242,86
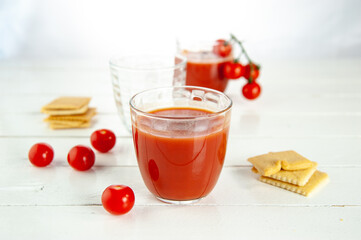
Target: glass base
x,y
176,202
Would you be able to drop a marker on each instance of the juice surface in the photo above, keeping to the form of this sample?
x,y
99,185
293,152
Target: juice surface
x,y
206,70
181,164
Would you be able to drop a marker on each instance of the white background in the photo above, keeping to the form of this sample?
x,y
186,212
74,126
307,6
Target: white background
x,y
97,29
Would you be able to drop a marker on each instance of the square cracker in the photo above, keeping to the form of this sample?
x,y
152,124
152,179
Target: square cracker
x,y
62,125
290,160
266,164
67,123
67,103
316,182
296,177
254,170
79,117
81,110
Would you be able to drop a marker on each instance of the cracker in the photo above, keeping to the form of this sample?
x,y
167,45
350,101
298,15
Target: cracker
x,y
80,117
67,103
266,164
67,123
316,182
296,177
290,160
65,126
81,110
254,170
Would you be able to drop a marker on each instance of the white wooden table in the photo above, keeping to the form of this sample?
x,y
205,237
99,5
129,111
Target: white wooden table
x,y
313,107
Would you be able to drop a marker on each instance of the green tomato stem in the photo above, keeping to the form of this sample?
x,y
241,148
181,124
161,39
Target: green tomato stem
x,y
242,48
243,51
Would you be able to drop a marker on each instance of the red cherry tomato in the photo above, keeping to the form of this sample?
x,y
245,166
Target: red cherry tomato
x,y
251,90
118,199
81,158
103,140
41,154
222,48
251,72
233,70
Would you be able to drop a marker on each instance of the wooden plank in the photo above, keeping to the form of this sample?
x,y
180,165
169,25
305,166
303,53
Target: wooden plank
x,y
52,84
55,83
251,124
61,185
327,151
181,222
324,78
270,103
288,125
281,71
32,104
33,125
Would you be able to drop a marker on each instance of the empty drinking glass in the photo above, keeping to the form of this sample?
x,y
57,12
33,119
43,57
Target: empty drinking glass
x,y
134,73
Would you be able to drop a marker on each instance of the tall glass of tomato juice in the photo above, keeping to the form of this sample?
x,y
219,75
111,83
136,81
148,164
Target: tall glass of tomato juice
x,y
180,138
204,66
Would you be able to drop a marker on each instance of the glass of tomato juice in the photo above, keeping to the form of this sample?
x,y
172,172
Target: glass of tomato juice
x,y
180,136
204,65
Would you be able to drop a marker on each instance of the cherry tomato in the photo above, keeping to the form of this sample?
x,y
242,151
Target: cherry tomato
x,y
81,158
118,199
103,140
41,154
251,73
251,90
222,48
233,70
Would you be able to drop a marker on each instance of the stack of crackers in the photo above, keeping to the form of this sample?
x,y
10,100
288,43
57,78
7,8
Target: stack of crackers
x,y
69,112
289,170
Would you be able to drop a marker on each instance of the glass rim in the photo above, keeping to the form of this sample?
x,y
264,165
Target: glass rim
x,y
152,115
189,47
202,42
113,59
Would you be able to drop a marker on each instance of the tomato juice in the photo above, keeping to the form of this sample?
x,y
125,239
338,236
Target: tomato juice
x,y
180,158
205,69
